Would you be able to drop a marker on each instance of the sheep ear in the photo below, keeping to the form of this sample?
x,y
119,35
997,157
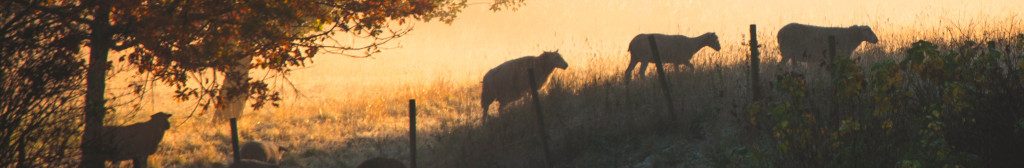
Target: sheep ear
x,y
556,50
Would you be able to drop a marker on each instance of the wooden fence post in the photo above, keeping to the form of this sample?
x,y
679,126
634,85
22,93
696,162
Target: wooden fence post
x,y
540,117
234,139
833,76
755,64
412,133
831,51
665,88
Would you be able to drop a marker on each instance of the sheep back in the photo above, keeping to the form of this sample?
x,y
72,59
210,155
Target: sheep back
x,y
509,81
261,151
673,49
807,43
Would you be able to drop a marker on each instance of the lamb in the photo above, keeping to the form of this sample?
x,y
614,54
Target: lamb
x,y
135,142
807,43
262,151
673,49
381,163
508,82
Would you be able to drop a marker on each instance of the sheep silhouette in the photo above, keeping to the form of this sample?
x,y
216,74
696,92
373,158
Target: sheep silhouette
x,y
807,43
673,49
135,142
508,82
262,151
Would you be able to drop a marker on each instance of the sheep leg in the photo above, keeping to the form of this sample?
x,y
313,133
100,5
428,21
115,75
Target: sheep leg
x,y
643,69
501,107
629,69
139,162
486,105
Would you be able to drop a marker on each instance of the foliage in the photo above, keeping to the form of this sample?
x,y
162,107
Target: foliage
x,y
40,84
186,44
940,106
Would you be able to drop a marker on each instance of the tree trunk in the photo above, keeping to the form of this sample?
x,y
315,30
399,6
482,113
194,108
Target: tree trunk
x,y
95,110
234,92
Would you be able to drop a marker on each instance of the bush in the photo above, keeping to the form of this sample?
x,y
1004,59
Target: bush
x,y
40,82
938,106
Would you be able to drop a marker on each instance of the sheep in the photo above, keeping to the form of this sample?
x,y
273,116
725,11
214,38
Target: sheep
x,y
508,82
807,43
262,151
249,163
381,163
135,142
673,49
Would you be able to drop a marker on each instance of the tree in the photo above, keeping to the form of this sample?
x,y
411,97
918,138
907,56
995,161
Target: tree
x,y
178,41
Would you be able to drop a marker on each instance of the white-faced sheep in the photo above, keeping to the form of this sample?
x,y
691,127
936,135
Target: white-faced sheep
x,y
673,49
509,81
135,142
381,163
262,151
807,43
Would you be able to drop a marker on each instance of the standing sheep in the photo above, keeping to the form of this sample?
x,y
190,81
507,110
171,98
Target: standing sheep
x,y
673,49
135,142
807,43
262,151
508,82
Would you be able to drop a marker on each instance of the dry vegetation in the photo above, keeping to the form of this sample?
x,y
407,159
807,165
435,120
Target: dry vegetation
x,y
595,120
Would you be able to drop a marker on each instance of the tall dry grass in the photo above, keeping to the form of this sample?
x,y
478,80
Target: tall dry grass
x,y
595,120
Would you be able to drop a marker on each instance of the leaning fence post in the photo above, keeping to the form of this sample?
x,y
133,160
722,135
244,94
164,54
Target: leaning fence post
x,y
665,88
540,117
755,64
412,133
234,139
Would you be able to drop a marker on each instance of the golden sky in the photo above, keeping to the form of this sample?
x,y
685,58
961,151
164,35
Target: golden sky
x,y
588,29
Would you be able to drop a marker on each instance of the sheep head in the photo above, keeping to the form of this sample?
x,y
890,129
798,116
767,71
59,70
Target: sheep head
x,y
711,40
161,119
866,33
554,59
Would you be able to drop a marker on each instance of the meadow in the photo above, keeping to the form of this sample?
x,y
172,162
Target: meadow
x,y
597,120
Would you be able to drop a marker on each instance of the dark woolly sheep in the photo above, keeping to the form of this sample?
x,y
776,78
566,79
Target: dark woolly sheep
x,y
673,49
509,81
135,142
807,43
262,151
381,163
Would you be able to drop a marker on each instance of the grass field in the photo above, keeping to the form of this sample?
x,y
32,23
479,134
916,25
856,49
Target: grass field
x,y
348,110
595,120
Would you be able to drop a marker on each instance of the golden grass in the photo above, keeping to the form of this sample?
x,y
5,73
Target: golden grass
x,y
340,126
